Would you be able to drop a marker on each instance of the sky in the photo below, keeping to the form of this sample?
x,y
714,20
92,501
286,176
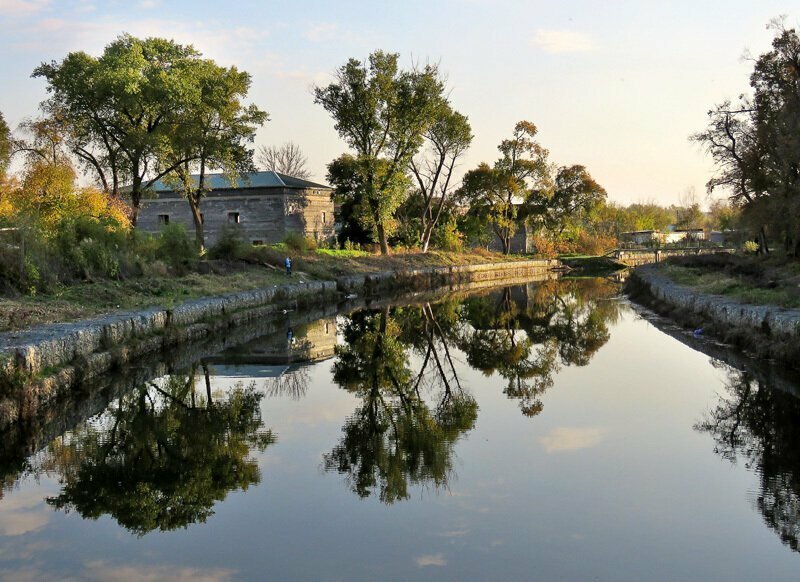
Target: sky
x,y
617,86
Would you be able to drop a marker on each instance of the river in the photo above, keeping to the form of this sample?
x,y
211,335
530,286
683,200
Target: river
x,y
545,431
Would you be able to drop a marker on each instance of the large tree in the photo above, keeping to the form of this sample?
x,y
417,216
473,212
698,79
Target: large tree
x,y
755,144
502,193
382,112
574,192
287,159
125,108
5,145
446,141
215,134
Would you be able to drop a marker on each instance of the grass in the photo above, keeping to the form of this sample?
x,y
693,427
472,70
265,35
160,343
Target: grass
x,y
92,299
737,287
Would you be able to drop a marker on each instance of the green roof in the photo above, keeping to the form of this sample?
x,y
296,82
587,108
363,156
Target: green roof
x,y
268,179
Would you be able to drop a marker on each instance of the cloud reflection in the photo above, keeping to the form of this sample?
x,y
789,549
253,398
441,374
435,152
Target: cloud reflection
x,y
571,439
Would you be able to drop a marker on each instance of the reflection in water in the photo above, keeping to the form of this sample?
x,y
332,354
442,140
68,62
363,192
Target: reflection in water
x,y
161,456
761,425
526,334
396,437
400,362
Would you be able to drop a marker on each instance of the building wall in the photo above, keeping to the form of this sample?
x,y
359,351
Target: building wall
x,y
266,215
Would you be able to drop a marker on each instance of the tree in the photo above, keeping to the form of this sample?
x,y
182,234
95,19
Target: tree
x,y
287,159
447,139
125,109
5,145
574,192
382,113
215,134
755,144
501,193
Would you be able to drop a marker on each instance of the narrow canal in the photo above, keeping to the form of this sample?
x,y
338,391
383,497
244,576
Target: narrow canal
x,y
546,431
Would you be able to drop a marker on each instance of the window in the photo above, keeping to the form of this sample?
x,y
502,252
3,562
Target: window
x,y
233,218
324,217
258,243
163,219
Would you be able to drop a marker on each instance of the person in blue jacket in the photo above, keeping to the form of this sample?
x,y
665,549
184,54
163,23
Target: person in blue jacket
x,y
288,263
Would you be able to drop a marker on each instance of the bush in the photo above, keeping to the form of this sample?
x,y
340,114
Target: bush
x,y
447,237
299,243
544,247
174,247
230,245
594,244
750,247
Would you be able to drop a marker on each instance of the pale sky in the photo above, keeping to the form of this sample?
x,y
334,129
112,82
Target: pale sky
x,y
617,86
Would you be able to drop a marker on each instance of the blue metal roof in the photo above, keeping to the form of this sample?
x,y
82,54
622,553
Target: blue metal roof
x,y
268,179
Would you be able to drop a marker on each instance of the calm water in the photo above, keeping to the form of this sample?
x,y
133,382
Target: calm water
x,y
546,431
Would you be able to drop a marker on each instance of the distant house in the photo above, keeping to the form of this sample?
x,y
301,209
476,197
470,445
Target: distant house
x,y
264,206
690,234
639,237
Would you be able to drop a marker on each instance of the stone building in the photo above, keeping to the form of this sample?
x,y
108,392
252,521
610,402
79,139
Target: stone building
x,y
265,206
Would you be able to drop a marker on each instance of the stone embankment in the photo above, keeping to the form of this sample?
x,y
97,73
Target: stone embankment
x,y
769,331
638,257
41,362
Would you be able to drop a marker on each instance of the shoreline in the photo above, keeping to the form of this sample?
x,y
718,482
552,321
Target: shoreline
x,y
763,331
40,364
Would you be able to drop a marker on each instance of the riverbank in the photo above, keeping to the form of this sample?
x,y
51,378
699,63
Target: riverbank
x,y
102,297
763,330
38,364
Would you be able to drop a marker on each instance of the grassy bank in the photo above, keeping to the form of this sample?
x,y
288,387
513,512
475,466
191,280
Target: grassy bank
x,y
88,299
747,279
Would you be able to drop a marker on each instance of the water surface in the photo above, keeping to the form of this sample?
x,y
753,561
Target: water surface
x,y
545,431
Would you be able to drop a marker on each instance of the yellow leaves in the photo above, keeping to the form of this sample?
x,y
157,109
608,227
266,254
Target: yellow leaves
x,y
48,195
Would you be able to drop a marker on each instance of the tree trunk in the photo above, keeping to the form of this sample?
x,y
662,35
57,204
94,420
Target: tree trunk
x,y
762,242
426,237
199,234
382,239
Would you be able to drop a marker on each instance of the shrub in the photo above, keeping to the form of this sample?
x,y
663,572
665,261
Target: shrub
x,y
174,247
750,247
594,244
299,243
447,237
544,247
229,246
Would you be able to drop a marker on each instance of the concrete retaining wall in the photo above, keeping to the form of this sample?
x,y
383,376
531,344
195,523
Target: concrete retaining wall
x,y
42,362
770,320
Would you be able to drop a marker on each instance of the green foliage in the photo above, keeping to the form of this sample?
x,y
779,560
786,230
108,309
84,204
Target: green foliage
x,y
5,145
174,247
447,237
297,242
382,112
230,245
500,194
755,144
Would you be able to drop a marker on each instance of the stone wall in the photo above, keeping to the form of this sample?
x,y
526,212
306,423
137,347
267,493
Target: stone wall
x,y
45,361
265,215
770,320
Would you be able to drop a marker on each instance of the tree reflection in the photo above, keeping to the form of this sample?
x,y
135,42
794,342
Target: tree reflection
x,y
161,456
527,339
761,426
402,364
396,438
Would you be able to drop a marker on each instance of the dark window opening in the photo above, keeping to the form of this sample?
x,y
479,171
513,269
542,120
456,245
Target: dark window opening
x,y
324,217
233,218
258,243
163,219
